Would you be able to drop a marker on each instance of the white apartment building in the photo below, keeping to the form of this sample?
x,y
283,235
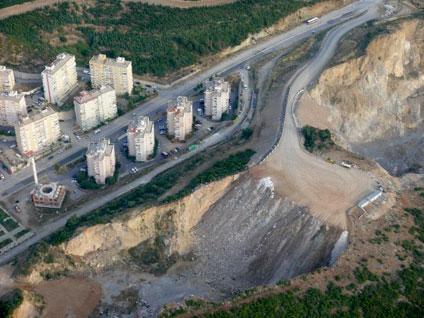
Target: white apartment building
x,y
60,79
95,107
7,79
12,106
180,118
141,138
37,132
116,73
217,98
101,160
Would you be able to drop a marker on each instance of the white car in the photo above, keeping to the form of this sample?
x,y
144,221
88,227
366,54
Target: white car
x,y
97,131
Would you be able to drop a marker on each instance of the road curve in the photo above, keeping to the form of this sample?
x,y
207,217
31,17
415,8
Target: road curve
x,y
159,103
327,190
266,47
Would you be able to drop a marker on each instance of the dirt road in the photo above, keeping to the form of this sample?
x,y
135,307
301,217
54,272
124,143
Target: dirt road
x,y
37,4
327,190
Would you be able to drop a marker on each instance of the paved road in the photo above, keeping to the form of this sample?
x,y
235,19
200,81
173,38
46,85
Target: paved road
x,y
160,103
327,190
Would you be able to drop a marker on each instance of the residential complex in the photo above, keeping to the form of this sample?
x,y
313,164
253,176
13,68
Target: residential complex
x,y
12,106
116,73
7,79
37,132
217,98
180,118
141,138
60,79
101,160
95,107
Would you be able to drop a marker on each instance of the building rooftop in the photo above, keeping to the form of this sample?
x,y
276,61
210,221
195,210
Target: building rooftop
x,y
140,124
119,61
86,96
217,84
60,60
182,105
36,116
99,149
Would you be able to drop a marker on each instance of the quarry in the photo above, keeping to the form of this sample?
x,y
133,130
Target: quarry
x,y
298,215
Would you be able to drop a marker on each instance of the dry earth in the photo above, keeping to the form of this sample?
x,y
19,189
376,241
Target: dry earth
x,y
69,297
37,4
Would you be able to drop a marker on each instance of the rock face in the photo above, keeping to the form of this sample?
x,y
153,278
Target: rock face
x,y
231,235
375,103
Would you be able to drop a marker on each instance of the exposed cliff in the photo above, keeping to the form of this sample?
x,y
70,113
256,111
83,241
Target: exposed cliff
x,y
227,236
375,103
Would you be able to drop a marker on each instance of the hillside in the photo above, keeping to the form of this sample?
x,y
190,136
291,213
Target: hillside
x,y
157,39
373,102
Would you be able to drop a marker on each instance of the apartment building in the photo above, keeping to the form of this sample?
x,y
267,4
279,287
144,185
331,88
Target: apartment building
x,y
60,79
7,79
95,107
116,73
141,138
12,106
180,118
37,132
217,98
101,160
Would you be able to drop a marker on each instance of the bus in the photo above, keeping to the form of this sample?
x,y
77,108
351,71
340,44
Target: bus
x,y
312,20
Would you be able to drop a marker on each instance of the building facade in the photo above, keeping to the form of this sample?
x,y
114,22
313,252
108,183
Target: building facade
x,y
101,160
116,73
60,79
217,98
180,118
12,106
141,138
7,79
37,132
95,107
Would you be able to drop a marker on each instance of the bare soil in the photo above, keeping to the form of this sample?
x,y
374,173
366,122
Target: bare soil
x,y
69,297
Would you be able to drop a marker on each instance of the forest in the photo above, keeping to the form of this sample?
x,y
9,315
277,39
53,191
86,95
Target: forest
x,y
157,39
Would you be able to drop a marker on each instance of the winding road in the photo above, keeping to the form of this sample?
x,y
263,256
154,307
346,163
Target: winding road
x,y
328,190
288,150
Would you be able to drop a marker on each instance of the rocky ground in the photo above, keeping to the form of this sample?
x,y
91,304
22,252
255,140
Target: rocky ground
x,y
374,103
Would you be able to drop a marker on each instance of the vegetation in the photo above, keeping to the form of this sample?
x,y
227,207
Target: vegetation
x,y
86,182
9,302
246,133
7,132
226,167
157,39
316,139
8,3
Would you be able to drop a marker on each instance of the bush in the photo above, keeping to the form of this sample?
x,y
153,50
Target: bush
x,y
10,302
316,139
246,133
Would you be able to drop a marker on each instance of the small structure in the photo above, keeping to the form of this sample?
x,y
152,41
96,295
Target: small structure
x,y
370,198
49,195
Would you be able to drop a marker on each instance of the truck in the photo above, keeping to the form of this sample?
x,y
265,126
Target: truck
x,y
312,20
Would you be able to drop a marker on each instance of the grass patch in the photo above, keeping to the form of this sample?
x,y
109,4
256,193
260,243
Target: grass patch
x,y
21,233
5,242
